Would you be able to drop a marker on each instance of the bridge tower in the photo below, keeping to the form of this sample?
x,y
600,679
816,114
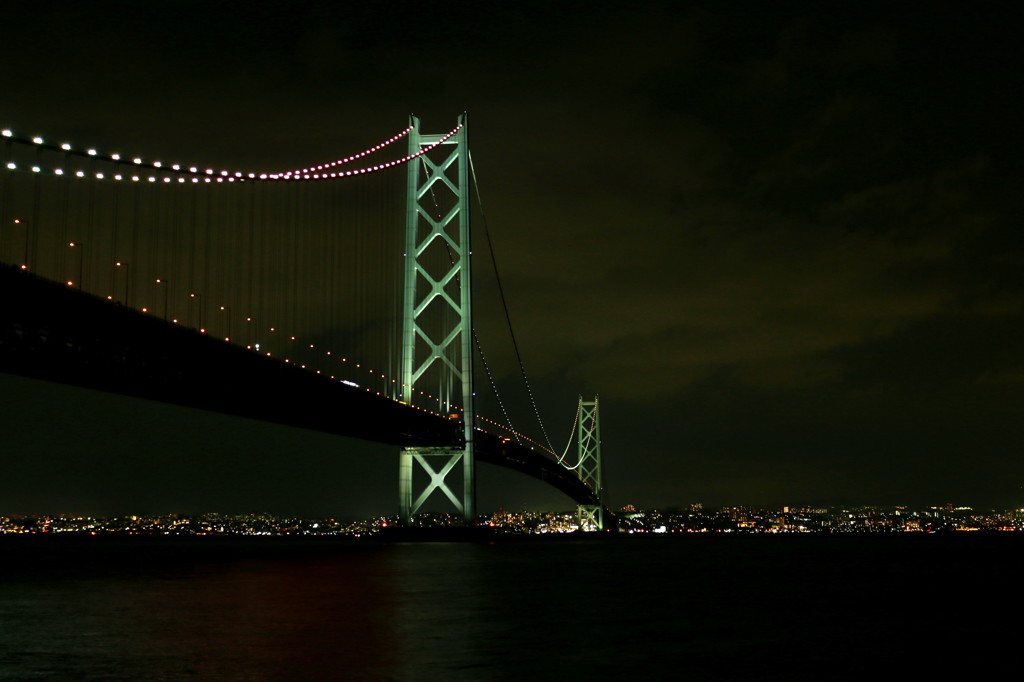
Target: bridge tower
x,y
437,334
588,437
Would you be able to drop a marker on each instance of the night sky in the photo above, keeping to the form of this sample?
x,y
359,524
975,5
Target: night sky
x,y
781,240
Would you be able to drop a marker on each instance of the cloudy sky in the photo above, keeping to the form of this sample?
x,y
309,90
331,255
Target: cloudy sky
x,y
781,240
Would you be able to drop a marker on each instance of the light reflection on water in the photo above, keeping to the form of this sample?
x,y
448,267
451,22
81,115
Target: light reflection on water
x,y
805,608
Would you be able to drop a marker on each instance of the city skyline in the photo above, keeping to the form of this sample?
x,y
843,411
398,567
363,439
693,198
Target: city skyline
x,y
686,519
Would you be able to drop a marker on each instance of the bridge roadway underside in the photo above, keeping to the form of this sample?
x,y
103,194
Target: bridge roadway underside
x,y
52,332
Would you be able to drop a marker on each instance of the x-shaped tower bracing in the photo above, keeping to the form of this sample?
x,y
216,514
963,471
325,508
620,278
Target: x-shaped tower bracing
x,y
437,321
588,436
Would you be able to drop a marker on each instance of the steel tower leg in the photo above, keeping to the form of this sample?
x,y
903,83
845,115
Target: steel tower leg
x,y
437,332
590,516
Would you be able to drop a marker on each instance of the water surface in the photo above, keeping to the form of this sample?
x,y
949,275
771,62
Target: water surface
x,y
699,608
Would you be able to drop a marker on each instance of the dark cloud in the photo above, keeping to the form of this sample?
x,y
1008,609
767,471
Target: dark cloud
x,y
781,241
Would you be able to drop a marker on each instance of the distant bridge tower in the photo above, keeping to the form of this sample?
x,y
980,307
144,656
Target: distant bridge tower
x,y
590,516
437,335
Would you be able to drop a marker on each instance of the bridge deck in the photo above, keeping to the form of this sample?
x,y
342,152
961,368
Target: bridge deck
x,y
53,332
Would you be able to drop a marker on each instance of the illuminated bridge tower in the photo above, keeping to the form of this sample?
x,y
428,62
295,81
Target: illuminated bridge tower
x,y
437,334
590,516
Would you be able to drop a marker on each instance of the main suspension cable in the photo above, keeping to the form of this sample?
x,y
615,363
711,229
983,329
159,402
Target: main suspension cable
x,y
504,304
572,433
494,389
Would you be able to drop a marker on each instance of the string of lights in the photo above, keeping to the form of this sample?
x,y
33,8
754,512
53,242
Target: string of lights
x,y
349,159
348,380
182,174
494,386
517,434
587,439
177,235
572,434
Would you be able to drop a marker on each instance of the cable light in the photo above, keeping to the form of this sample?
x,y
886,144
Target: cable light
x,y
360,155
318,172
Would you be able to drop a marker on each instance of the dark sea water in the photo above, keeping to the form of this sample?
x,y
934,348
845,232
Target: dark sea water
x,y
806,607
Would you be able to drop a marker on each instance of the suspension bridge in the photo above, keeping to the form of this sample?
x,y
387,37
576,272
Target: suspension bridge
x,y
336,297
